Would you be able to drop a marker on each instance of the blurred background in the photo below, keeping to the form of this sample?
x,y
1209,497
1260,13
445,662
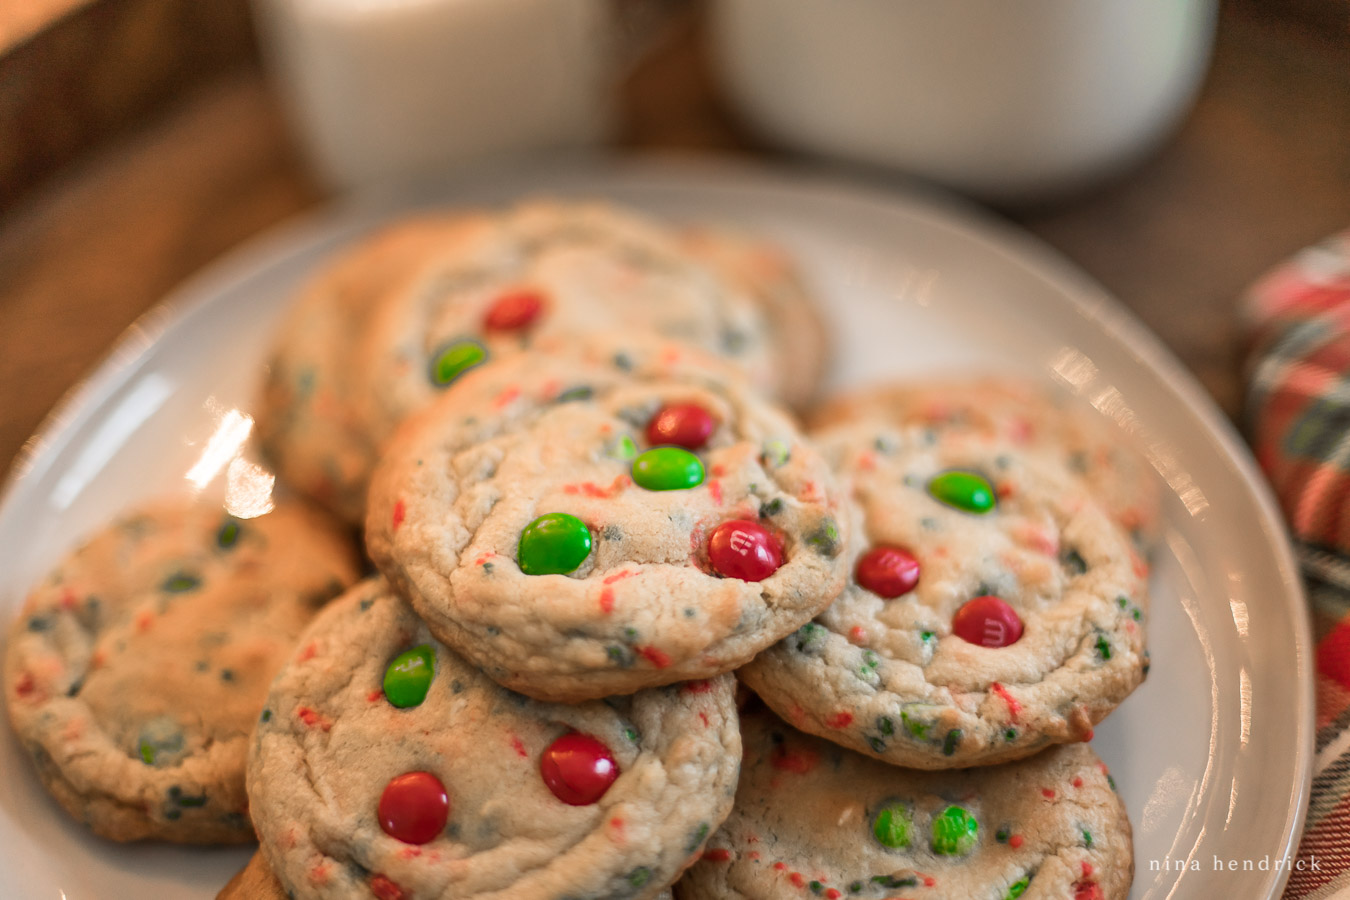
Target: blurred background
x,y
140,139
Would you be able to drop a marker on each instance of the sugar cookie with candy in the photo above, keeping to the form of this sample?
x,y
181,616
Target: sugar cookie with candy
x,y
383,333
137,668
611,516
993,609
1033,420
815,820
385,765
309,427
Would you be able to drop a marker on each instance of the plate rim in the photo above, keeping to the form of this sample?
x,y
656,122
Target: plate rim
x,y
351,215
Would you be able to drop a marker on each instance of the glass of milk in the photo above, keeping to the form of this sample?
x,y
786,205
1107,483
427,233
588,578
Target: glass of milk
x,y
386,90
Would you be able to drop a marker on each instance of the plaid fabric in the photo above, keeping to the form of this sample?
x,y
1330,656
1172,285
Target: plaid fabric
x,y
1298,415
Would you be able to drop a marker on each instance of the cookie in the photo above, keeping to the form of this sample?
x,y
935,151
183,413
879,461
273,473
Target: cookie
x,y
385,765
593,521
798,332
254,882
481,285
994,608
814,820
138,666
1031,418
307,425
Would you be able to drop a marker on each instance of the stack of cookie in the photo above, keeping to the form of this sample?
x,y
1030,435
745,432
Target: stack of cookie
x,y
559,428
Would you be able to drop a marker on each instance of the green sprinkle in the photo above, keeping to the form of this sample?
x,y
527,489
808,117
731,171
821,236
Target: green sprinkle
x,y
581,392
951,742
147,753
825,540
772,508
408,678
927,636
890,881
1087,838
266,715
816,887
1123,601
639,876
699,834
1111,781
1103,647
228,535
1017,888
631,734
954,832
855,887
1137,614
965,491
181,582
893,827
1010,734
776,453
621,447
810,638
553,544
454,359
1002,835
885,725
915,726
667,469
1073,562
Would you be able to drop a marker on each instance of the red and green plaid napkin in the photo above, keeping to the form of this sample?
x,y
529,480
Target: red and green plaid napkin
x,y
1298,415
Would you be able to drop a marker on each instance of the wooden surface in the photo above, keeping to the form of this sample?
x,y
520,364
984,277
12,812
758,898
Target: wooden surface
x,y
1260,169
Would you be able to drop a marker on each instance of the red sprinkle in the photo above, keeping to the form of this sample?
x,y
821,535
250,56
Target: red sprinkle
x,y
887,571
780,866
929,881
715,491
311,718
857,634
833,894
1077,782
654,656
519,747
797,761
797,879
607,600
374,695
704,717
308,652
385,889
717,855
26,686
1047,793
618,576
506,396
578,769
144,619
1084,890
686,425
696,687
514,310
68,599
1087,869
1015,841
1013,706
840,720
399,512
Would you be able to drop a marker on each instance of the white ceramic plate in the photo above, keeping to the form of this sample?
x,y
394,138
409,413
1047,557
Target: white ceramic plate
x,y
1212,754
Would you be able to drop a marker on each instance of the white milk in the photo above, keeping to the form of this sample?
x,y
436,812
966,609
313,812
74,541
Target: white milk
x,y
382,90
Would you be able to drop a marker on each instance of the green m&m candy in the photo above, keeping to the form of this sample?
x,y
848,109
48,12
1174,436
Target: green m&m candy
x,y
954,832
965,491
408,677
553,544
893,827
667,469
454,359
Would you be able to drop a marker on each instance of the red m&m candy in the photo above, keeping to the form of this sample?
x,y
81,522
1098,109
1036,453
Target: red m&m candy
x,y
513,311
887,571
686,425
745,550
578,769
414,808
987,621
